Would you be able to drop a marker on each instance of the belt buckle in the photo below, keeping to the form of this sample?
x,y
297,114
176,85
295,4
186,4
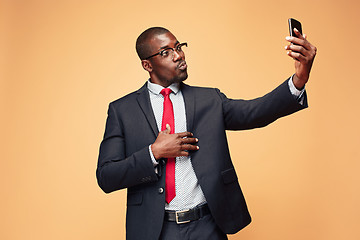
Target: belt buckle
x,y
177,216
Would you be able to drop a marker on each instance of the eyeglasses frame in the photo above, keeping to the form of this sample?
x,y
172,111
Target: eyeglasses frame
x,y
168,48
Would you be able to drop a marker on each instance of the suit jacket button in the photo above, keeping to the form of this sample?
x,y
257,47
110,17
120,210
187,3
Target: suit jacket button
x,y
161,190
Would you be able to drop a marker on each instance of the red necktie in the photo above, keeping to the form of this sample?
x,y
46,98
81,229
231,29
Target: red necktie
x,y
168,118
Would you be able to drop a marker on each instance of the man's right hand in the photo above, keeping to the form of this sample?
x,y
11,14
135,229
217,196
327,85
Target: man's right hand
x,y
174,145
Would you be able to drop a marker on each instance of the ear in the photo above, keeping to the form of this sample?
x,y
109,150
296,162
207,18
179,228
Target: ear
x,y
146,64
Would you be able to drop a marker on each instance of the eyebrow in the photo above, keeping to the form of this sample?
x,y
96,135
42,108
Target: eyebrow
x,y
165,47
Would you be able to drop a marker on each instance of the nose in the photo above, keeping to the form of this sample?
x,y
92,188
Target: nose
x,y
177,56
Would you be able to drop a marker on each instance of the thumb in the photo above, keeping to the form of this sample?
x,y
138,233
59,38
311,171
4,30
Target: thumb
x,y
168,129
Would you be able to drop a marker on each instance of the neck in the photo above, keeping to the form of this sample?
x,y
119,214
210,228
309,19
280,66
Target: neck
x,y
163,84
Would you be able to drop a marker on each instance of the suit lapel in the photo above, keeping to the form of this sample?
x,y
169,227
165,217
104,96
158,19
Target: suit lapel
x,y
145,105
189,99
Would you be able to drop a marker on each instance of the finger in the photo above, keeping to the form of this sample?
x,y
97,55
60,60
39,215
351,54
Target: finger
x,y
189,140
297,41
296,56
297,48
298,34
184,153
189,147
184,134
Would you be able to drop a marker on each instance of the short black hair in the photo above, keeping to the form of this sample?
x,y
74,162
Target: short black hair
x,y
142,47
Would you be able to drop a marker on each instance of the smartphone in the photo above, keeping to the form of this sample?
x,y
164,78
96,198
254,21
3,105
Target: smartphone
x,y
293,23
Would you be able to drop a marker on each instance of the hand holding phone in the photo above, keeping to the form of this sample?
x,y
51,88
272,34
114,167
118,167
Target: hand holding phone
x,y
302,51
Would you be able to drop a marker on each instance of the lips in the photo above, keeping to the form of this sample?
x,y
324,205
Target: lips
x,y
182,65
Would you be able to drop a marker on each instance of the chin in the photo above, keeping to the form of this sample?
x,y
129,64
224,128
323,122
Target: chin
x,y
181,78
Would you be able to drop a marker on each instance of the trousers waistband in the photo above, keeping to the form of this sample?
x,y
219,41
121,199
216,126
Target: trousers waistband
x,y
188,215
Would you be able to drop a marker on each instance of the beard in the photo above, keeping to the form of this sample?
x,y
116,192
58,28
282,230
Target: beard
x,y
180,78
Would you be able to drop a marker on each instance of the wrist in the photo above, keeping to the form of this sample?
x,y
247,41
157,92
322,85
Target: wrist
x,y
299,83
155,152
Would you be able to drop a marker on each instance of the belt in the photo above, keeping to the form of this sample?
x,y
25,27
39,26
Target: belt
x,y
188,215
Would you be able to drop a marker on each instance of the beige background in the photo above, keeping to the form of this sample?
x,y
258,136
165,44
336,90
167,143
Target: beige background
x,y
62,62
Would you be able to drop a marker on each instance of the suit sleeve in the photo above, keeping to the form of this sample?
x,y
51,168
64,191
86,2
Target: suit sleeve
x,y
259,112
116,170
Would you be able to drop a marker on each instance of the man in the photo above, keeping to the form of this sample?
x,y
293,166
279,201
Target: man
x,y
166,143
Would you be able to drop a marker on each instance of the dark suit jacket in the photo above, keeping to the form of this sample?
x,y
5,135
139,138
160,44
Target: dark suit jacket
x,y
124,159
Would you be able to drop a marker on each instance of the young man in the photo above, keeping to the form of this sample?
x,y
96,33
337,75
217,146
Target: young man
x,y
166,143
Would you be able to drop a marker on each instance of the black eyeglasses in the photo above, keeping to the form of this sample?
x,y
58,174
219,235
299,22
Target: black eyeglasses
x,y
169,52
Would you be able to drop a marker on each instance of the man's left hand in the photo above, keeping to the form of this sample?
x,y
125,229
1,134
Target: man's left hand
x,y
303,52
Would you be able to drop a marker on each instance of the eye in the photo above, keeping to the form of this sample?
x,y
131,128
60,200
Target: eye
x,y
165,53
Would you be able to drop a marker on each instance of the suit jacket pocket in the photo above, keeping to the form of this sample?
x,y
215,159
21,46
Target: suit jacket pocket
x,y
134,198
229,175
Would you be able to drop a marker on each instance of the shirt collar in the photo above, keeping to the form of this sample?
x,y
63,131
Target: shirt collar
x,y
156,88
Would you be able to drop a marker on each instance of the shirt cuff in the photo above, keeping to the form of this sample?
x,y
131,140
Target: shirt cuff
x,y
298,94
155,163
